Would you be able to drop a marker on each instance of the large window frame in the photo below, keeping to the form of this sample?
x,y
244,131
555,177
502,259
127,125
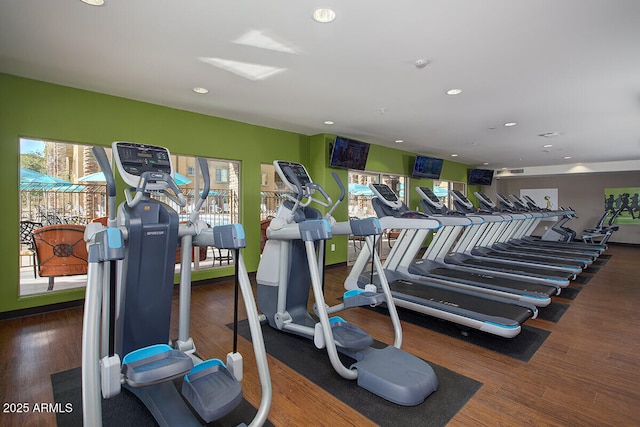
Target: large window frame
x,y
443,189
61,183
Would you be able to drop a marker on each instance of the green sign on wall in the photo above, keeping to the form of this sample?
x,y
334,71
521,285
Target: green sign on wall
x,y
626,201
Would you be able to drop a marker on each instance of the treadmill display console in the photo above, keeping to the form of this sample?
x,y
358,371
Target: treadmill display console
x,y
386,192
487,200
430,194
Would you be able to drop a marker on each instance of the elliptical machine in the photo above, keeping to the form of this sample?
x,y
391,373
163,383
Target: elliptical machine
x,y
293,258
125,337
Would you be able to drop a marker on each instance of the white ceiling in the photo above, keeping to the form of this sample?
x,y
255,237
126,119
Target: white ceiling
x,y
566,66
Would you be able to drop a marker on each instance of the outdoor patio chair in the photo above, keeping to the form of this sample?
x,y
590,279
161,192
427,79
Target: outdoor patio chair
x,y
26,239
60,251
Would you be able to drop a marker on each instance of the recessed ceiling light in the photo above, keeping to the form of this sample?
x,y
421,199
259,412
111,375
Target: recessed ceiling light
x,y
486,163
328,122
94,2
454,91
454,155
547,146
324,15
399,141
566,157
200,90
509,124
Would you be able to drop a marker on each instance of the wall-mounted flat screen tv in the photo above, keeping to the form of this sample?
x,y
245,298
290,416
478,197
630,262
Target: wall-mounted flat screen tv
x,y
480,176
427,167
349,154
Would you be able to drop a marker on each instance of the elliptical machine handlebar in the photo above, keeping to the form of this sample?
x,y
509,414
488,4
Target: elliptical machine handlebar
x,y
343,193
105,166
310,189
204,171
145,179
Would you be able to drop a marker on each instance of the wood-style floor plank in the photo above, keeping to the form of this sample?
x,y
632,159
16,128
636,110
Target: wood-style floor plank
x,y
586,373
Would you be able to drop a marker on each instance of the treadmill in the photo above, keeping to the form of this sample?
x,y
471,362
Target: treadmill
x,y
403,256
457,251
467,309
516,203
500,245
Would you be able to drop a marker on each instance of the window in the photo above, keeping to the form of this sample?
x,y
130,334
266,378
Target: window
x,y
443,189
61,183
360,194
360,206
222,175
271,192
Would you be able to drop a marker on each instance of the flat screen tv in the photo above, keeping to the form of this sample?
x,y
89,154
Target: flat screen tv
x,y
349,154
480,176
427,167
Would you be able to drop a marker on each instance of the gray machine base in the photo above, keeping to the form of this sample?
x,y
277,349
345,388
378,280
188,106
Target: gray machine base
x,y
395,375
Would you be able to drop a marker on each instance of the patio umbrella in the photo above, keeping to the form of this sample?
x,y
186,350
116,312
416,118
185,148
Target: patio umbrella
x,y
440,192
99,177
359,190
31,180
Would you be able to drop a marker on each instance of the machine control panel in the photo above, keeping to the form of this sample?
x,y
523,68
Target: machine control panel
x,y
135,159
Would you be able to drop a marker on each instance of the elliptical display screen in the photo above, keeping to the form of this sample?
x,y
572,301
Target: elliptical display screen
x,y
298,170
133,160
386,192
137,158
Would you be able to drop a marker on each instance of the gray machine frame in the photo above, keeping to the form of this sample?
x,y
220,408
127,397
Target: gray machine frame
x,y
112,358
293,258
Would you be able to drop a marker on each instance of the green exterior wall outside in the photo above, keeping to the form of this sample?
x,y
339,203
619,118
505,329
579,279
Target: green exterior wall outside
x,y
39,110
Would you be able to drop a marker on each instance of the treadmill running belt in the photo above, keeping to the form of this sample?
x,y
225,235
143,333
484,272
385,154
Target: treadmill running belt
x,y
536,259
515,268
424,294
449,273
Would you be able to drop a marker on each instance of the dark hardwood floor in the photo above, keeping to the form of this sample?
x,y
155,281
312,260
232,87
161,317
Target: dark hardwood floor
x,y
587,372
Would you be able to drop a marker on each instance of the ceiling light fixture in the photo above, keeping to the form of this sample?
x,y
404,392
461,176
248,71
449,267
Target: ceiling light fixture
x,y
324,16
93,2
566,157
547,146
510,124
399,141
454,91
329,122
200,90
454,155
486,163
549,134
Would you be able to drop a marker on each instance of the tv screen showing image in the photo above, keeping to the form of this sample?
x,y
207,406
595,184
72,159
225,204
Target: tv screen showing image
x,y
480,176
427,167
349,154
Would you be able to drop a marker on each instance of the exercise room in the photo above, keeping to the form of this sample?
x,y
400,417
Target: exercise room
x,y
325,214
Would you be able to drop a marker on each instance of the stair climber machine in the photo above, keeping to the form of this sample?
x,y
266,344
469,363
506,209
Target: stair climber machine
x,y
524,237
489,312
504,245
293,258
125,336
468,251
430,266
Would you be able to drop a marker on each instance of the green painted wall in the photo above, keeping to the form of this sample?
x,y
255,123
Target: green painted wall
x,y
36,109
39,110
